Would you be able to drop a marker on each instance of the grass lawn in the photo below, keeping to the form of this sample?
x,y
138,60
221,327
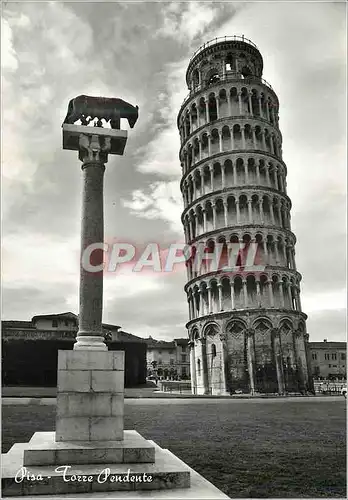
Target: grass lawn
x,y
253,448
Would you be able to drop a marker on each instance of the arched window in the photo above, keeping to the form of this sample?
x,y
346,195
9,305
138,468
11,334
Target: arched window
x,y
213,350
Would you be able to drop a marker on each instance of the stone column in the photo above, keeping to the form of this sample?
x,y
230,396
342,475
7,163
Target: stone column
x,y
265,251
223,176
210,304
220,142
272,213
201,303
209,145
279,214
232,139
229,104
238,211
267,111
260,107
299,362
281,294
250,211
258,293
268,180
243,136
217,100
214,214
263,140
93,154
220,296
193,367
254,137
278,359
250,356
271,299
276,252
211,170
194,187
205,367
292,253
204,220
250,104
261,212
246,172
258,179
298,299
207,111
235,174
191,228
199,149
232,294
245,293
224,202
240,103
190,120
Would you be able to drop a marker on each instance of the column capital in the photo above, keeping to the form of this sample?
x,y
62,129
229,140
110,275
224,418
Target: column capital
x,y
249,332
94,148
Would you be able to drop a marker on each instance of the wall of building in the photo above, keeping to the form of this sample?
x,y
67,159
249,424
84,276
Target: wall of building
x,y
328,359
34,362
48,324
171,358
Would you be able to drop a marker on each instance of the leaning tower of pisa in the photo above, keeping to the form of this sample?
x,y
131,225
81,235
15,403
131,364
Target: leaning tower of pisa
x,y
246,327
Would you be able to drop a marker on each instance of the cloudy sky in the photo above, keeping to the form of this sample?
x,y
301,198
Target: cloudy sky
x,y
53,51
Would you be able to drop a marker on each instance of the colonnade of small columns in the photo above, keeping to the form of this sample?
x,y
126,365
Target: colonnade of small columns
x,y
227,102
270,252
227,211
223,139
238,292
232,173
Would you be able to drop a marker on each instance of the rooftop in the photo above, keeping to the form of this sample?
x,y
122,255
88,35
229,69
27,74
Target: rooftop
x,y
214,41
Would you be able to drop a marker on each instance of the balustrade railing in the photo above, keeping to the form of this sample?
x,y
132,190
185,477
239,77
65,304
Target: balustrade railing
x,y
229,77
221,39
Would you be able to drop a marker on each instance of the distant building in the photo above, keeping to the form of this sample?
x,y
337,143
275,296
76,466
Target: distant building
x,y
168,359
328,359
30,349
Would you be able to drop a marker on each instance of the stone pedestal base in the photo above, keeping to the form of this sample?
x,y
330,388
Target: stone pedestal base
x,y
90,396
42,449
90,452
171,478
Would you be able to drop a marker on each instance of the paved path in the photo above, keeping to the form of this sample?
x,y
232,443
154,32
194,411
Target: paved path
x,y
183,401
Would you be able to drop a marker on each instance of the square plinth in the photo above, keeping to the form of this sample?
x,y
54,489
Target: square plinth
x,y
166,473
71,137
90,396
42,449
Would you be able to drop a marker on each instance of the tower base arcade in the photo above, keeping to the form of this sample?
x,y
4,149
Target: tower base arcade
x,y
261,351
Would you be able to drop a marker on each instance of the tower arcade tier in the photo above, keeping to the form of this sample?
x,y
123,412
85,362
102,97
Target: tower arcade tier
x,y
246,327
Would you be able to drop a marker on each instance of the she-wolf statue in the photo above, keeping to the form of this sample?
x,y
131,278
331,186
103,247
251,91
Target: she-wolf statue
x,y
109,108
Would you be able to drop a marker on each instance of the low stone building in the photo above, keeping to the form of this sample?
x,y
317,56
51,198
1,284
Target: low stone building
x,y
328,360
30,349
168,359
